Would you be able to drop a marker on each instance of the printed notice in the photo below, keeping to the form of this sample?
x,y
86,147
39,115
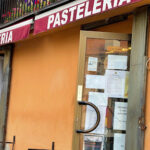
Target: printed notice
x,y
101,101
95,81
92,63
117,83
120,116
97,98
119,141
117,62
91,118
94,138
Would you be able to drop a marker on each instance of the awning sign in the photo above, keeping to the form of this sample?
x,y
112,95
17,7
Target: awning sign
x,y
15,32
74,11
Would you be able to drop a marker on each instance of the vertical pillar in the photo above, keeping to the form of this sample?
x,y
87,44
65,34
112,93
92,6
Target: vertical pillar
x,y
4,99
137,81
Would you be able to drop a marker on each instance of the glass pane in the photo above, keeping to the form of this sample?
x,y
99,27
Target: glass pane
x,y
106,86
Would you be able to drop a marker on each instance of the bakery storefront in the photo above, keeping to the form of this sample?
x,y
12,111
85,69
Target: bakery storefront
x,y
76,77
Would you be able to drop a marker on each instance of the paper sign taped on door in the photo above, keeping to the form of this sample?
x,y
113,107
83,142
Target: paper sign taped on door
x,y
92,63
120,116
119,141
117,83
95,81
117,62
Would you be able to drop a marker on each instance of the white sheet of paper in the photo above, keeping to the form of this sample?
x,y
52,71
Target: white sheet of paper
x,y
117,62
119,141
91,119
79,94
95,81
101,101
115,83
120,116
97,98
92,63
93,138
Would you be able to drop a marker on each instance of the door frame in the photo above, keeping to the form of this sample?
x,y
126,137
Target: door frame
x,y
80,80
138,72
134,138
4,99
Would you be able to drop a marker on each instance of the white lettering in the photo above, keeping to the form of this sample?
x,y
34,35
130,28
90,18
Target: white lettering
x,y
122,1
10,37
57,20
50,21
97,3
80,10
72,9
64,16
6,37
115,3
87,13
3,38
107,3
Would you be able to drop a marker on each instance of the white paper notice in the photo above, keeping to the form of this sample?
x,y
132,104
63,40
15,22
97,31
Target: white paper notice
x,y
119,141
101,101
93,138
95,81
97,98
116,83
117,62
91,118
79,94
120,116
92,63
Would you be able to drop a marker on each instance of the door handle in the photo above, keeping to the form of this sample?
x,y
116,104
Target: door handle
x,y
97,113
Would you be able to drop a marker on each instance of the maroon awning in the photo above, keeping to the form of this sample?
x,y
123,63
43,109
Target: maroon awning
x,y
15,32
74,11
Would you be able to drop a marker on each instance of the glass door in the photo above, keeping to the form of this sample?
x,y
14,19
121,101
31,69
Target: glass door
x,y
102,92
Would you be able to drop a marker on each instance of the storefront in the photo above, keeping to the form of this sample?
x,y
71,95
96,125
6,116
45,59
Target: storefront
x,y
77,78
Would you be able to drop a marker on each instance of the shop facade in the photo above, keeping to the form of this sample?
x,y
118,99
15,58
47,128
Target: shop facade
x,y
76,77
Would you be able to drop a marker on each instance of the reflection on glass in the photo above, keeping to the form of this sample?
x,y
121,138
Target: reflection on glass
x,y
106,86
93,145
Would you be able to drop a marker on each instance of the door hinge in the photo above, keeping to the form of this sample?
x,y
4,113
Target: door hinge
x,y
142,125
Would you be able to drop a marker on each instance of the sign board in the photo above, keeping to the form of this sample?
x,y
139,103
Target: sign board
x,y
15,32
74,11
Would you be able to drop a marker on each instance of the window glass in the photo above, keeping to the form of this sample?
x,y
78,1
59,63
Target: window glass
x,y
106,85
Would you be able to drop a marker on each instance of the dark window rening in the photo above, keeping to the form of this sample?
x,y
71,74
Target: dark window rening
x,y
12,11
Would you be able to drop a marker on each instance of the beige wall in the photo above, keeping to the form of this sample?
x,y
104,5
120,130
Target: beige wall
x,y
44,73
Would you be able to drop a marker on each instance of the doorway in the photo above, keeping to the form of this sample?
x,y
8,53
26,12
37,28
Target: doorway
x,y
104,68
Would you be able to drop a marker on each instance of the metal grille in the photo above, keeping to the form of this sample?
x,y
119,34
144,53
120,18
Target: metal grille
x,y
11,10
